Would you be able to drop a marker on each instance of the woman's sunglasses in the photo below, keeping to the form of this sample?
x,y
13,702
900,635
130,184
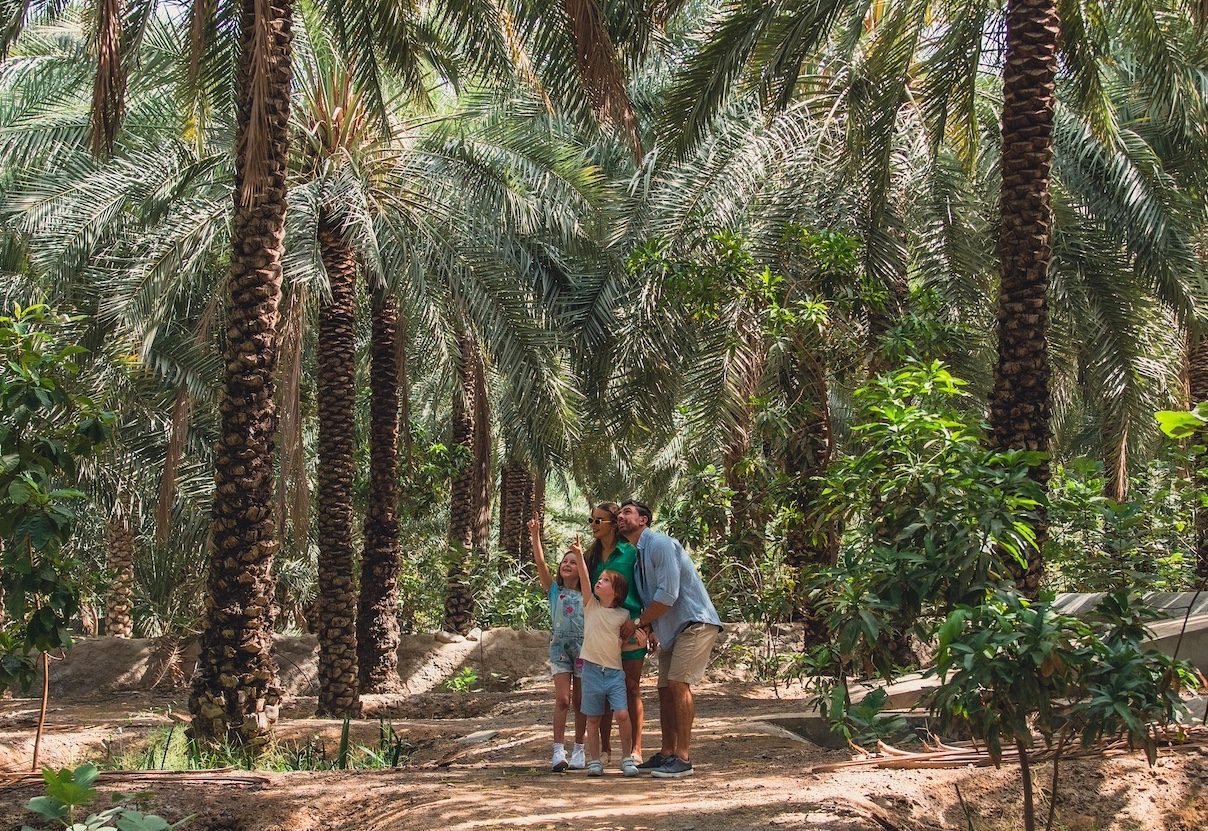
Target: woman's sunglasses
x,y
595,520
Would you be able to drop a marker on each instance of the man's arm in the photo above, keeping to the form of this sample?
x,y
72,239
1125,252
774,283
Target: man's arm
x,y
666,575
663,560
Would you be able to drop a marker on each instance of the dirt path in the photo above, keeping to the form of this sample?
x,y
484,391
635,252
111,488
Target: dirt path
x,y
751,774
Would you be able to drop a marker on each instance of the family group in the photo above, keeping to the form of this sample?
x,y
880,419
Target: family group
x,y
634,592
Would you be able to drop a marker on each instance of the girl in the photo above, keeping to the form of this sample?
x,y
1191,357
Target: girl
x,y
609,550
603,677
565,641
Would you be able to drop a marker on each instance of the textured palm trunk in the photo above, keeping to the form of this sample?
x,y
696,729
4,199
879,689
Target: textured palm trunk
x,y
336,383
1197,387
810,544
119,542
235,697
1115,457
459,600
882,317
746,529
516,491
1019,399
377,611
483,450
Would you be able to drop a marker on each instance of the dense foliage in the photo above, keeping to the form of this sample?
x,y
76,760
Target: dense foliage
x,y
873,302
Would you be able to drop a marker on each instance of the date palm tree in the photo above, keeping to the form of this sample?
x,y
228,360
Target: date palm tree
x,y
1020,399
862,59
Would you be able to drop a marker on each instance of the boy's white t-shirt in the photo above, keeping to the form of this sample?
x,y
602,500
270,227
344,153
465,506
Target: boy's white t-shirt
x,y
602,634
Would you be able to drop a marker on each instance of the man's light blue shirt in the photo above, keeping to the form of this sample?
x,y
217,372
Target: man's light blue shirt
x,y
665,574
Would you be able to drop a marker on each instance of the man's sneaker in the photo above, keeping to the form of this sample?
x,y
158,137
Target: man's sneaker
x,y
628,767
595,768
676,768
558,763
578,759
653,763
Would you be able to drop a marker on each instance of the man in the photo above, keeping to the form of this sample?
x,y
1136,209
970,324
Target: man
x,y
678,615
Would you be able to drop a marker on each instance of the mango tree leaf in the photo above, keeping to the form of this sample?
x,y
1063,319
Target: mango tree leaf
x,y
45,806
1179,424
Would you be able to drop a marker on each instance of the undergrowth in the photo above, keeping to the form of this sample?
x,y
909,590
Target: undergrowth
x,y
170,749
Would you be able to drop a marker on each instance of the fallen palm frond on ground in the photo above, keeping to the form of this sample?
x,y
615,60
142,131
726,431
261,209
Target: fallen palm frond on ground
x,y
939,754
213,776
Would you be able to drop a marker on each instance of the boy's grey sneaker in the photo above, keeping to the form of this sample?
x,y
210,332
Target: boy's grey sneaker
x,y
676,768
628,767
595,768
653,763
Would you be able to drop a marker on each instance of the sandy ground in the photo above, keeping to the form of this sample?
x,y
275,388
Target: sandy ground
x,y
751,774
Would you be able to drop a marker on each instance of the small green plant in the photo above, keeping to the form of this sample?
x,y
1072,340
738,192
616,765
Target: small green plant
x,y
1013,669
463,680
68,791
864,725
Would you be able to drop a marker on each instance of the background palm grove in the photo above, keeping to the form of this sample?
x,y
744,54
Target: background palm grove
x,y
852,291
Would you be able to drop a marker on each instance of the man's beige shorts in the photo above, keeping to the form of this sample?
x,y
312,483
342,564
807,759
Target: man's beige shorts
x,y
688,656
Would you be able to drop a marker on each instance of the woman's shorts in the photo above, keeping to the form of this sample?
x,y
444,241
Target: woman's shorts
x,y
564,656
600,685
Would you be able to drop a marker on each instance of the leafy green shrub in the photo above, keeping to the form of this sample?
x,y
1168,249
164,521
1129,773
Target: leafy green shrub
x,y
45,429
69,790
1012,668
1098,544
927,510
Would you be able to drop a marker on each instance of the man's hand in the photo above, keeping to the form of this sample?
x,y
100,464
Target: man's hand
x,y
627,630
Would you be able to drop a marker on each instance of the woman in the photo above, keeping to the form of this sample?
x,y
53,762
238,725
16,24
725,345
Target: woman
x,y
612,552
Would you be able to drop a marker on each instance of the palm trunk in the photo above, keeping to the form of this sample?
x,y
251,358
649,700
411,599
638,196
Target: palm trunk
x,y
806,457
459,600
746,530
336,383
483,451
1019,400
235,697
515,509
377,618
120,544
1197,387
882,317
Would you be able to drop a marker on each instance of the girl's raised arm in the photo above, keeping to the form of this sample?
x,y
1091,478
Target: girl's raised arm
x,y
534,526
576,548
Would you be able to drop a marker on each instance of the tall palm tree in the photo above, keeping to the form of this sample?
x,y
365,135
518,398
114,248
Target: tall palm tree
x,y
336,384
235,696
120,546
1020,402
377,604
866,57
459,599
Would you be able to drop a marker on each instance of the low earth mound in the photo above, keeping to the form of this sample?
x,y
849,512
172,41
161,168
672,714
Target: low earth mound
x,y
499,660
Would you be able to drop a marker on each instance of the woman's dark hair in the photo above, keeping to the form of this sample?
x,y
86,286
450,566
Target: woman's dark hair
x,y
595,554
